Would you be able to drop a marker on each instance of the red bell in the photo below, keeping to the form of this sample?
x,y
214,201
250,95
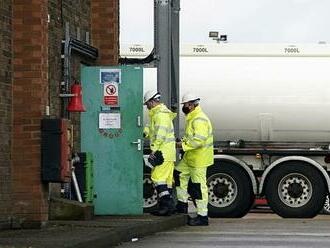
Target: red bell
x,y
76,104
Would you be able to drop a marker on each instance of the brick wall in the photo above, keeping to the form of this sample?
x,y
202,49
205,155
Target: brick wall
x,y
76,13
30,94
30,74
100,19
5,108
105,30
54,59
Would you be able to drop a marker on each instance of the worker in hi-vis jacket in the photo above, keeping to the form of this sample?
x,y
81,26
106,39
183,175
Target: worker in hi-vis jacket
x,y
190,173
163,153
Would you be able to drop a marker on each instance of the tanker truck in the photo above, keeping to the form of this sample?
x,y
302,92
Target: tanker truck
x,y
269,106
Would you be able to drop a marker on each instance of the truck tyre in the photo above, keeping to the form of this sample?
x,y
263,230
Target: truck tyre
x,y
149,194
295,190
230,190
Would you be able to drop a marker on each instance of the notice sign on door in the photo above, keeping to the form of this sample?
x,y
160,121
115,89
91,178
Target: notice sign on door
x,y
110,93
109,120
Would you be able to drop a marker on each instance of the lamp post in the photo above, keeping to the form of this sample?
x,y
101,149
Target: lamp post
x,y
219,38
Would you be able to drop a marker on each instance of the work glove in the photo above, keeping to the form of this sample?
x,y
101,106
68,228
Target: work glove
x,y
156,158
178,143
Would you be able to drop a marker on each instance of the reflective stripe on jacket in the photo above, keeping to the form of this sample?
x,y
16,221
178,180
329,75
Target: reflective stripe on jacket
x,y
197,142
146,131
161,131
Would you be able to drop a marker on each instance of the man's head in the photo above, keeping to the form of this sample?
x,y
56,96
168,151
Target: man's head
x,y
190,102
151,99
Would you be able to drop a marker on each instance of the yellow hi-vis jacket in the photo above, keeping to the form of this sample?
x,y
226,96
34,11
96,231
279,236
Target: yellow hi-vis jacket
x,y
161,131
197,142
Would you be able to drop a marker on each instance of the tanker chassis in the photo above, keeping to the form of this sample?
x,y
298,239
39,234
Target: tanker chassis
x,y
269,107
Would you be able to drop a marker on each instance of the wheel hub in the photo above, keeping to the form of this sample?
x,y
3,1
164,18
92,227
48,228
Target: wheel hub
x,y
295,190
327,204
149,194
148,190
222,190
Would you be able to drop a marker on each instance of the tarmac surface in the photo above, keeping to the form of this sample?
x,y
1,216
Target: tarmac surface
x,y
255,230
105,231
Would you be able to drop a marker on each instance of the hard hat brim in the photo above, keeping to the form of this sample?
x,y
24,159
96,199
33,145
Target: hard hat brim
x,y
197,99
157,95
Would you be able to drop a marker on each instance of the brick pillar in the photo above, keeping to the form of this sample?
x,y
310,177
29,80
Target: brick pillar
x,y
30,97
5,108
105,30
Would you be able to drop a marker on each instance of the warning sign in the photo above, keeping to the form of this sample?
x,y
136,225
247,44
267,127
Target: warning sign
x,y
111,94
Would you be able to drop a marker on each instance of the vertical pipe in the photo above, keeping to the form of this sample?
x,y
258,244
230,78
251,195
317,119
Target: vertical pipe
x,y
66,68
175,82
163,48
67,57
76,187
167,50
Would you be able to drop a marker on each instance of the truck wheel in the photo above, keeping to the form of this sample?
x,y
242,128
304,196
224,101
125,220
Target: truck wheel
x,y
326,207
295,190
149,195
230,190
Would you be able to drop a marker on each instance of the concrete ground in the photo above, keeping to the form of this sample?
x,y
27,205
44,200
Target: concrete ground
x,y
100,232
255,230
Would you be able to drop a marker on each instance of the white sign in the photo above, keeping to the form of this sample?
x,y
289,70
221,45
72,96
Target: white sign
x,y
110,89
110,94
109,120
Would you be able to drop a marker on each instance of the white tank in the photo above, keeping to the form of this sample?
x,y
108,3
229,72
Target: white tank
x,y
256,92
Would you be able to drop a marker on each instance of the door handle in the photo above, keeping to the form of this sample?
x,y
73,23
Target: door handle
x,y
138,120
138,143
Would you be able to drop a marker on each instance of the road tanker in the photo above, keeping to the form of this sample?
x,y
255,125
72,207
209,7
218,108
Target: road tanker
x,y
269,105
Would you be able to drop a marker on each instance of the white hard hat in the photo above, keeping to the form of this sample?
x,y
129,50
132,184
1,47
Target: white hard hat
x,y
188,97
150,94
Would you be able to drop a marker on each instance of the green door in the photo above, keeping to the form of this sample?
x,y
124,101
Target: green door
x,y
111,128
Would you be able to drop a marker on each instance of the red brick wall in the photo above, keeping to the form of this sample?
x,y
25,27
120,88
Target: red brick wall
x,y
5,108
30,97
77,14
105,30
30,75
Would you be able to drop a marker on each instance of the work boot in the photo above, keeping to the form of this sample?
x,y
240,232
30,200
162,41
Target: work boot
x,y
172,207
164,208
172,201
198,221
181,207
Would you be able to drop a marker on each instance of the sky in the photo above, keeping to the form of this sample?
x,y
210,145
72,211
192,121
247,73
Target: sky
x,y
243,21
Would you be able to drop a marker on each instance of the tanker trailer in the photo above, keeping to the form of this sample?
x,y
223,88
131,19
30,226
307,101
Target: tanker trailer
x,y
269,105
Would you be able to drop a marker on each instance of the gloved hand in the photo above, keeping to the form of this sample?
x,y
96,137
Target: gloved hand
x,y
178,143
156,158
151,156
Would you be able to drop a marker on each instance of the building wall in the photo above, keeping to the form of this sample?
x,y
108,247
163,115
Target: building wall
x,y
5,107
75,14
30,91
72,16
105,30
31,73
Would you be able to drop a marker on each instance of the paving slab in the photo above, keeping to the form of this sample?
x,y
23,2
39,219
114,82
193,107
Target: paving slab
x,y
105,231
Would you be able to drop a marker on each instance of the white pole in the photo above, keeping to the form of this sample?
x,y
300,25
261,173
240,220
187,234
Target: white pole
x,y
76,187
